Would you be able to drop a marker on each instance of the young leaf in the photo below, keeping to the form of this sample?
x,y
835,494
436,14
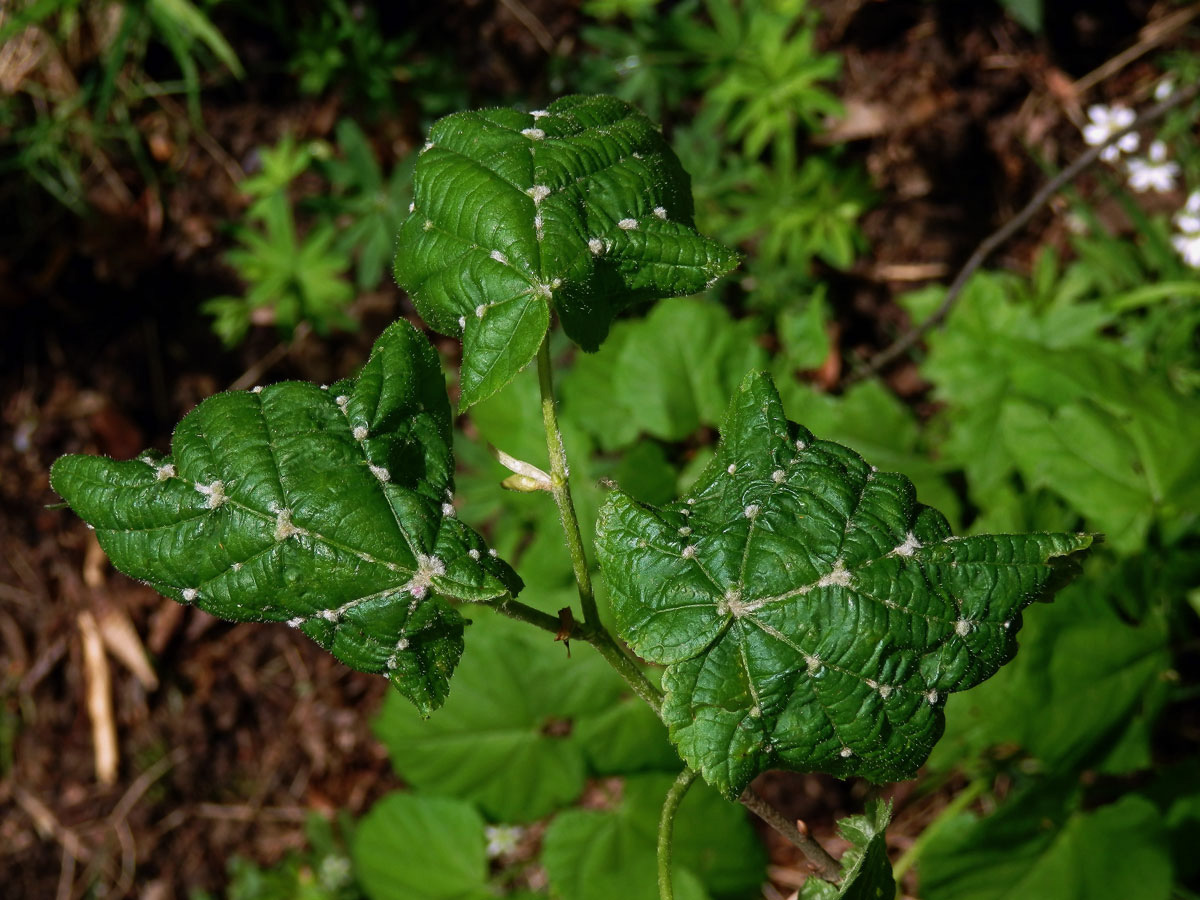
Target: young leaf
x,y
811,614
326,509
866,869
582,205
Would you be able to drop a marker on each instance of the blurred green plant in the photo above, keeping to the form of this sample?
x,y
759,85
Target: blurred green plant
x,y
295,276
762,90
323,871
367,205
77,102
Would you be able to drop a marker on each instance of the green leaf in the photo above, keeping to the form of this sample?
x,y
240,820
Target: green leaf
x,y
1033,847
866,869
517,698
872,419
811,614
582,205
601,854
326,509
1077,655
422,848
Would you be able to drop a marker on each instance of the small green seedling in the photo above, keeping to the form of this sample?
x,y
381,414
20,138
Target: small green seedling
x,y
810,614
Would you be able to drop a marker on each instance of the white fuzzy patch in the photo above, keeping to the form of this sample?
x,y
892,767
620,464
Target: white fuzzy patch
x,y
846,753
462,322
257,389
778,476
839,577
360,432
539,113
932,697
480,310
296,622
473,553
215,493
963,627
499,257
685,530
751,511
165,471
190,594
381,473
660,212
428,567
448,510
689,552
732,468
910,546
284,528
538,192
596,246
534,134
885,691
627,224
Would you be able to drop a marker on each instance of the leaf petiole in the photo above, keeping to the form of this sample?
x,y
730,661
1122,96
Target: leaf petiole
x,y
666,830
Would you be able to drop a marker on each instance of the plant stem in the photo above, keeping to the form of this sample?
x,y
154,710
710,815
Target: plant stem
x,y
593,629
522,612
953,808
825,865
561,487
666,829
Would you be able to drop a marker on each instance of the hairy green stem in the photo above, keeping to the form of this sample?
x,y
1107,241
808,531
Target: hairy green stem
x,y
595,632
666,829
953,808
560,487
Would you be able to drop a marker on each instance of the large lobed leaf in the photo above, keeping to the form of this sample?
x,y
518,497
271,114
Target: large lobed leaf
x,y
582,206
811,614
328,509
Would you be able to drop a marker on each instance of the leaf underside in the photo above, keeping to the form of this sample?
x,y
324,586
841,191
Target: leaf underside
x,y
328,509
811,614
582,206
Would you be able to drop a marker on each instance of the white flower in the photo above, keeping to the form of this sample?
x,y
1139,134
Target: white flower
x,y
1103,123
1188,219
1156,174
1188,246
503,840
